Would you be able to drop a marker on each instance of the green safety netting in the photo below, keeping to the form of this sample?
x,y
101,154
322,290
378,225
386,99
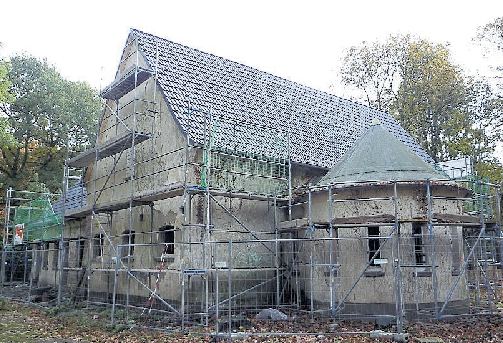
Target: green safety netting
x,y
482,203
40,221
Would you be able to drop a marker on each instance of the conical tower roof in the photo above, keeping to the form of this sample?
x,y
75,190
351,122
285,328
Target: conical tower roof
x,y
379,156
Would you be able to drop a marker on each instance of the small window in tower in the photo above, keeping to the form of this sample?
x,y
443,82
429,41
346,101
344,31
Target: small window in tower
x,y
418,237
374,245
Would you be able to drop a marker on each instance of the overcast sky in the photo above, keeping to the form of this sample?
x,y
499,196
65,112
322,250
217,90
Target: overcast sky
x,y
303,41
299,40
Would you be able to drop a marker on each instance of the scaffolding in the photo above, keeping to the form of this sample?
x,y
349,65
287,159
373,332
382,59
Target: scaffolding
x,y
30,224
196,230
301,266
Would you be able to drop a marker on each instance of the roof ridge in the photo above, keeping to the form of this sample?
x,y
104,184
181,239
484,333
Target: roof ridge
x,y
316,90
321,126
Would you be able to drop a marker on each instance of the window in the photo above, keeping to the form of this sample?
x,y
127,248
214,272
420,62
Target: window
x,y
80,256
98,245
66,254
128,242
457,253
374,245
167,237
417,236
45,255
55,256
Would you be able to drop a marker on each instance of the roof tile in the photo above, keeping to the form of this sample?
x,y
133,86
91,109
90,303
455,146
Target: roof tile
x,y
319,127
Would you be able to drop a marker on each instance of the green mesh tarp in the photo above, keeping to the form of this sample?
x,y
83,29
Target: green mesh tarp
x,y
483,197
40,221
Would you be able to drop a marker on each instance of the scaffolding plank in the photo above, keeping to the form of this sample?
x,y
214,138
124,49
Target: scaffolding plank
x,y
126,82
116,205
295,223
139,198
109,206
106,149
239,195
381,218
79,212
146,197
169,191
453,218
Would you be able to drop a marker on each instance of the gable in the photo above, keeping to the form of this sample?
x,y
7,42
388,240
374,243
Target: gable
x,y
256,112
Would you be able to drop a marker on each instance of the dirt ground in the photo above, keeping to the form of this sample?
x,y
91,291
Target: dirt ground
x,y
43,322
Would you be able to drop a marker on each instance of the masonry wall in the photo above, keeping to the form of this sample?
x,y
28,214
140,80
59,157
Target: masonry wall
x,y
49,259
370,289
140,232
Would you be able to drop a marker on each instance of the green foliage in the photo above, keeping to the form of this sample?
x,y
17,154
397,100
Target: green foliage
x,y
430,98
56,310
5,305
450,115
48,112
6,136
491,170
484,108
372,68
5,84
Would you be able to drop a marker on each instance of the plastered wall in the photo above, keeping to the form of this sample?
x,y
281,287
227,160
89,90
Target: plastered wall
x,y
349,252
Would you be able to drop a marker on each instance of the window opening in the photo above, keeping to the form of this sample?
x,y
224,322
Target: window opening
x,y
98,245
374,244
167,237
80,255
55,256
128,241
417,235
45,255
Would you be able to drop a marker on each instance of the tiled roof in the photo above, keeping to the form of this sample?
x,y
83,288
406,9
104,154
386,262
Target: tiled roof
x,y
379,156
75,198
254,111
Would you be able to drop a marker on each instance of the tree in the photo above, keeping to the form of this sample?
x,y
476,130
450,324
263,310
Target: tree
x,y
492,34
484,107
6,136
430,99
47,113
419,85
5,84
371,68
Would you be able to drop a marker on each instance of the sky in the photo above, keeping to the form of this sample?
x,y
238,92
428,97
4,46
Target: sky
x,y
303,41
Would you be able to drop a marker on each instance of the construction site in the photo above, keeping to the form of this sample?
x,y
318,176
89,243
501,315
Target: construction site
x,y
218,194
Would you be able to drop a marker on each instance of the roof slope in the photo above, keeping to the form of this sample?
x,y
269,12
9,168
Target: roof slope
x,y
257,111
379,156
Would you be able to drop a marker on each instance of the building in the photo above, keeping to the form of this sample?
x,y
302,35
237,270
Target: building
x,y
216,186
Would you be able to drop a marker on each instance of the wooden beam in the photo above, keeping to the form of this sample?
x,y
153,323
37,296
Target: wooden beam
x,y
296,223
453,218
377,219
106,149
165,192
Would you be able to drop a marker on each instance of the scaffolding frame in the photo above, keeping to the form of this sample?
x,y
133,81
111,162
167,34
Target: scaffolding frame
x,y
484,278
273,272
